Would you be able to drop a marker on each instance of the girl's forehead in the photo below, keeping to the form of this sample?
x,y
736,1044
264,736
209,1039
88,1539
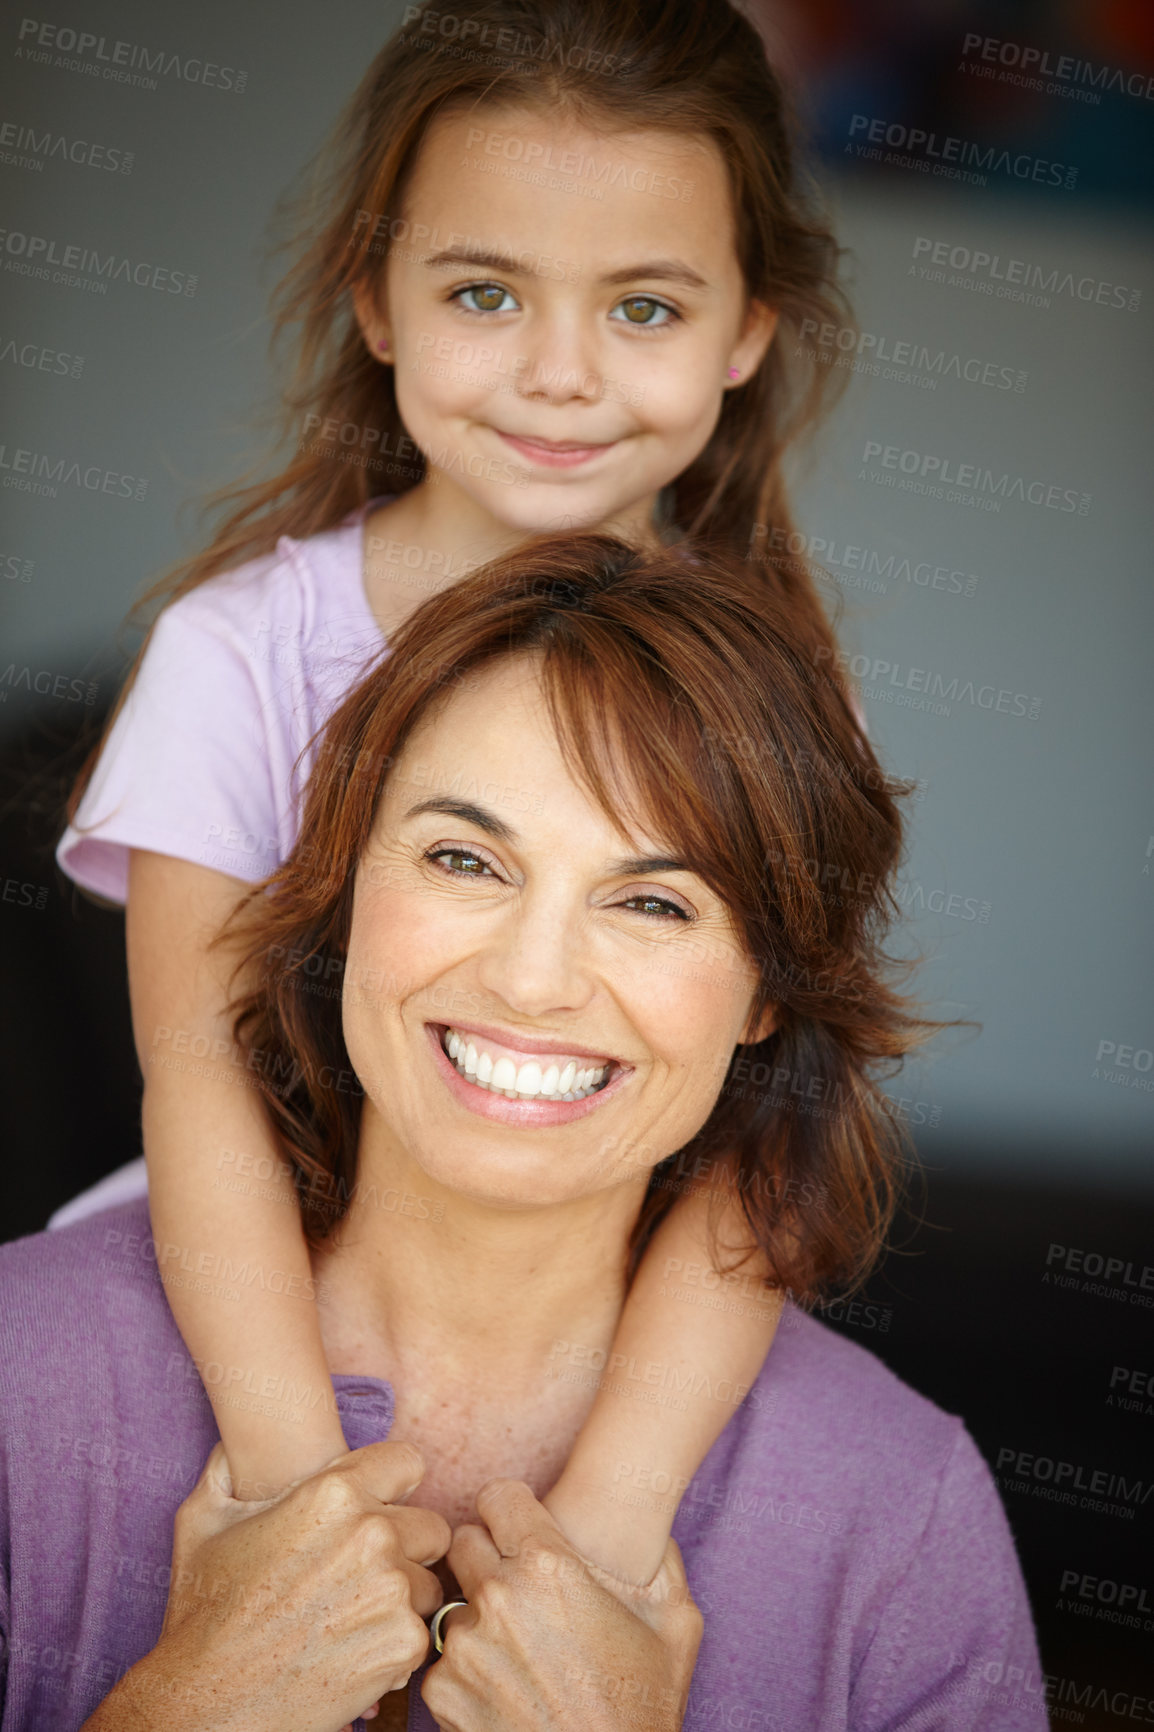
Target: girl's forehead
x,y
569,207
504,139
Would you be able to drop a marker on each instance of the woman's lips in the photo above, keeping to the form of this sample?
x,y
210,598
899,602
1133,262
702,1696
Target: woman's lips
x,y
554,454
525,1113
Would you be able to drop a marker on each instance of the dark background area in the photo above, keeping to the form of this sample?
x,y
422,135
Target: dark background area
x,y
1050,828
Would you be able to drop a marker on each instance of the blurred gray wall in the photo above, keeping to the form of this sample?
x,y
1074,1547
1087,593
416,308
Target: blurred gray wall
x,y
1009,651
1002,653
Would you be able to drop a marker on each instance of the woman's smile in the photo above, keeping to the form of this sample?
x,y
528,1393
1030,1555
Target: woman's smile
x,y
535,1083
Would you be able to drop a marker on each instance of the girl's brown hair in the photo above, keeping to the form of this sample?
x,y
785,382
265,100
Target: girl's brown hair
x,y
669,677
684,66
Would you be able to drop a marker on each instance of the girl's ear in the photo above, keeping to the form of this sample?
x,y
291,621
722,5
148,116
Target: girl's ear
x,y
749,351
374,327
761,1027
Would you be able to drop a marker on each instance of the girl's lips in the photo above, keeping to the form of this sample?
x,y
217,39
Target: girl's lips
x,y
554,456
527,1114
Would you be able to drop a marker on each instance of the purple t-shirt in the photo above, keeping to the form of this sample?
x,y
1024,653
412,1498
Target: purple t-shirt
x,y
843,1538
209,755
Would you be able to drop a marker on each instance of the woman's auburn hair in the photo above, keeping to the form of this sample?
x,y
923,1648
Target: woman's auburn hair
x,y
694,67
745,757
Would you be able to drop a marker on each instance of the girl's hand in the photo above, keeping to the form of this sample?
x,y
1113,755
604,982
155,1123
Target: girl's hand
x,y
300,1612
545,1645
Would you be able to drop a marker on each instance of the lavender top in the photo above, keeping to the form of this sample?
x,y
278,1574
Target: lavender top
x,y
208,758
843,1538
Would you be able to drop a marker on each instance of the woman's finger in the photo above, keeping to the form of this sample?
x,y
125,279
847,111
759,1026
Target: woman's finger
x,y
668,1606
214,1487
670,1585
425,1590
671,1581
424,1535
472,1557
387,1471
517,1521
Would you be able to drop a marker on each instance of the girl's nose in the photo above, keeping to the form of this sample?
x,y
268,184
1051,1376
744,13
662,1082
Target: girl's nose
x,y
562,367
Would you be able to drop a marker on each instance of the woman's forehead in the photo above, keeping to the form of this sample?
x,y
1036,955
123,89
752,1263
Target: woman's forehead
x,y
492,734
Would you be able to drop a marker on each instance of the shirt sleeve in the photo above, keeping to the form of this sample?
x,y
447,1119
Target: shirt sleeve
x,y
5,1576
187,769
955,1648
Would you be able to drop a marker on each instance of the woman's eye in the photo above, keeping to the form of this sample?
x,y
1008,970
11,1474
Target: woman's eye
x,y
655,907
488,298
460,862
640,310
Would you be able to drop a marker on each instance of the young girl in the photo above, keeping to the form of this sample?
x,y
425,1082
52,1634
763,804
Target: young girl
x,y
557,281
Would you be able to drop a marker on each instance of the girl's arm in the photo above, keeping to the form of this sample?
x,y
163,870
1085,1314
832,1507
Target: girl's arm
x,y
225,1220
689,1345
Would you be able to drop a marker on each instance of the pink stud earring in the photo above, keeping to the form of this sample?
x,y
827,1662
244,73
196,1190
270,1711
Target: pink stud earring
x,y
735,372
383,347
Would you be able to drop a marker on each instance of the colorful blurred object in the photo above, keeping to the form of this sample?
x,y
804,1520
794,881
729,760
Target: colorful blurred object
x,y
1048,101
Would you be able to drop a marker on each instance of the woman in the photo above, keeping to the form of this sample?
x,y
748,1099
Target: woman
x,y
589,821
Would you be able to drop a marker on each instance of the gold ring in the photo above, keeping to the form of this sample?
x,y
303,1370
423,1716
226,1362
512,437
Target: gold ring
x,y
437,1619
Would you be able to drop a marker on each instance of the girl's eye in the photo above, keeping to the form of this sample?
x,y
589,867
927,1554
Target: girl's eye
x,y
460,862
639,310
655,907
488,298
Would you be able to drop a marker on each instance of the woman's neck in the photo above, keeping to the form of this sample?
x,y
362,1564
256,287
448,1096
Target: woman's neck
x,y
419,1276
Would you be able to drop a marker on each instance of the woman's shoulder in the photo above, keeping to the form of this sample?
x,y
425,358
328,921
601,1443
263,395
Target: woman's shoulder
x,y
858,1401
104,1430
64,1292
845,1521
835,1409
828,1438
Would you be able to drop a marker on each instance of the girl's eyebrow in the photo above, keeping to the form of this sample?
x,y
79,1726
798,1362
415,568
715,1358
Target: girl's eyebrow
x,y
668,270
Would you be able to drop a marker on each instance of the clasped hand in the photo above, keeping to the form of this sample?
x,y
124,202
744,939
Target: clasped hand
x,y
547,1640
301,1612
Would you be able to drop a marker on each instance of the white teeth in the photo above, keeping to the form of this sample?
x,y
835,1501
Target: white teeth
x,y
528,1082
503,1074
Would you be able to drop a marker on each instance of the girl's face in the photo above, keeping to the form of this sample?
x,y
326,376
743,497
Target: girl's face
x,y
562,310
510,947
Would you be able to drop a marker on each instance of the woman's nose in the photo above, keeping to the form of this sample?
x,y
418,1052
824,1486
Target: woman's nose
x,y
535,961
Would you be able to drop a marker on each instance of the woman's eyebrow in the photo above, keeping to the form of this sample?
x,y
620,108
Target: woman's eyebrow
x,y
635,866
468,813
642,864
668,270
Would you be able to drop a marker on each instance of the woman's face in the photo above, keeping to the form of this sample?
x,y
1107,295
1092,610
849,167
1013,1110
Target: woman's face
x,y
505,933
563,308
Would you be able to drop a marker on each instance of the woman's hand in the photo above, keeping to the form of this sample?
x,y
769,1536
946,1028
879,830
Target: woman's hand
x,y
545,1645
299,1615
